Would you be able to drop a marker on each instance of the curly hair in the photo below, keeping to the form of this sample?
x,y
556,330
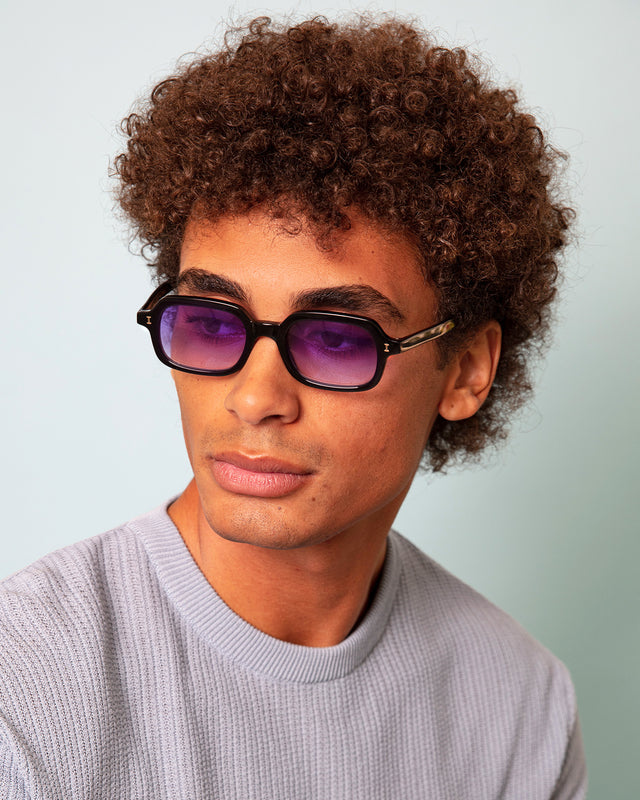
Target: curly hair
x,y
311,119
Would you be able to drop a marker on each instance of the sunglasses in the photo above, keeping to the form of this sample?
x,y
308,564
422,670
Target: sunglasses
x,y
325,349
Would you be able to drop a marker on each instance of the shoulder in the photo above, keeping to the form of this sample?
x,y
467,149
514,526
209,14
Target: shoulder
x,y
70,613
66,619
506,700
67,623
63,588
70,604
55,613
70,588
482,656
456,614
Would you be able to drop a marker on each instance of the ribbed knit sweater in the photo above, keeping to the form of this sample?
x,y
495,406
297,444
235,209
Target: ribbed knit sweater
x,y
124,675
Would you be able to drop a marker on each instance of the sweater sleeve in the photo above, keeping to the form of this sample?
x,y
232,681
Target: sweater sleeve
x,y
12,785
572,783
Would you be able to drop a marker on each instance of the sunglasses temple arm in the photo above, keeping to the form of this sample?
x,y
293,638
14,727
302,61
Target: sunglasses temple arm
x,y
425,336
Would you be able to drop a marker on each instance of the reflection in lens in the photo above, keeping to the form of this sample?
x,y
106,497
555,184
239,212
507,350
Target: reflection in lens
x,y
333,352
202,338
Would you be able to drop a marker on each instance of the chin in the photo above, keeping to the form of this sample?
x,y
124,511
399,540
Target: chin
x,y
261,528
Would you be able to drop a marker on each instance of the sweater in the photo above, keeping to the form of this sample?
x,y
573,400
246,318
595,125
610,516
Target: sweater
x,y
124,675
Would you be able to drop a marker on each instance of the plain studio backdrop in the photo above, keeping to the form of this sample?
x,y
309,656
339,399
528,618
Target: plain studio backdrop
x,y
91,432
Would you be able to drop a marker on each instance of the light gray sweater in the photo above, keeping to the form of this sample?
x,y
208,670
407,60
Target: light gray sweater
x,y
123,675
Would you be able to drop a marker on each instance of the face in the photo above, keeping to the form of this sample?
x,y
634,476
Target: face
x,y
280,464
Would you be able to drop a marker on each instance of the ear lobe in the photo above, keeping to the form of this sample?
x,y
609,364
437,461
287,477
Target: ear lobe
x,y
471,374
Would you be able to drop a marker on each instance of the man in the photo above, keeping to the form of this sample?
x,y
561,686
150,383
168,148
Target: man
x,y
357,245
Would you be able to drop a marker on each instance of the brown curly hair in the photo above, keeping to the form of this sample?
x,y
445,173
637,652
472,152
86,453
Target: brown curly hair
x,y
320,117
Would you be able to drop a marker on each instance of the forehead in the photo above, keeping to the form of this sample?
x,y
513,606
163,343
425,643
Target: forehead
x,y
273,267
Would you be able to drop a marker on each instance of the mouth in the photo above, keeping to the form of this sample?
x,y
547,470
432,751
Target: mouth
x,y
257,476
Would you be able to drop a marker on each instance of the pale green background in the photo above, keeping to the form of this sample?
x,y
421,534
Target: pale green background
x,y
90,426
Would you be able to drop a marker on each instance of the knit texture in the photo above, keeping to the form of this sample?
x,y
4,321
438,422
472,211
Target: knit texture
x,y
124,675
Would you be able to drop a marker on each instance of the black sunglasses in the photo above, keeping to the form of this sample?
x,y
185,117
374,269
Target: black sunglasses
x,y
325,349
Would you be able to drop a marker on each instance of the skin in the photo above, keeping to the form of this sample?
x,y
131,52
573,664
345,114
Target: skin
x,y
302,566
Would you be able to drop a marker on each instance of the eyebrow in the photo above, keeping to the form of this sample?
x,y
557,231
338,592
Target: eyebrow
x,y
351,298
200,281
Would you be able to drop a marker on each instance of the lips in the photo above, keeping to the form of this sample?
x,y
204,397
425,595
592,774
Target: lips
x,y
257,476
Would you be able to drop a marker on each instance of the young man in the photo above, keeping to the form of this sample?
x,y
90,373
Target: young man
x,y
357,242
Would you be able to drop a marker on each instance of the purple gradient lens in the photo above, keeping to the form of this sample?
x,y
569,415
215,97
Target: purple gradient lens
x,y
333,352
202,338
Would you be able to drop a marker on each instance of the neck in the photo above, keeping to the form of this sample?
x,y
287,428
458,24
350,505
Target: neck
x,y
311,596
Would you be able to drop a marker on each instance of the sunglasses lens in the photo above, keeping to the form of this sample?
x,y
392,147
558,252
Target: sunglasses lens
x,y
202,338
333,352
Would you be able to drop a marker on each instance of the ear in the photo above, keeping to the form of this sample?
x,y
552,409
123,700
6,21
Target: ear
x,y
471,374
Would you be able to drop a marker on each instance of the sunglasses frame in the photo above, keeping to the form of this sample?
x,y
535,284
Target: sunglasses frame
x,y
150,314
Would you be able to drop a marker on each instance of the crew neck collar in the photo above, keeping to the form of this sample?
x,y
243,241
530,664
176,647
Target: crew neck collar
x,y
220,627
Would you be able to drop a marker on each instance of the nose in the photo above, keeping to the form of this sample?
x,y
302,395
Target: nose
x,y
263,389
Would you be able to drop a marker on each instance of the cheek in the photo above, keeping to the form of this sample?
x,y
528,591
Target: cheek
x,y
198,406
419,389
382,434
